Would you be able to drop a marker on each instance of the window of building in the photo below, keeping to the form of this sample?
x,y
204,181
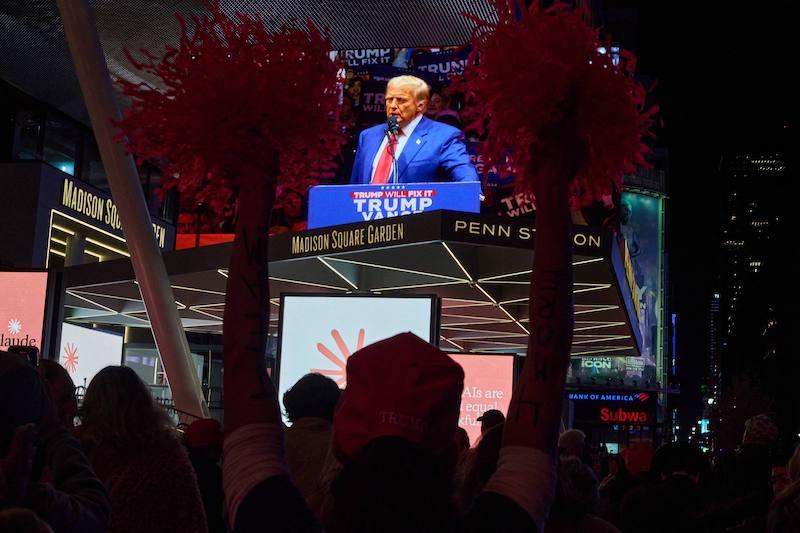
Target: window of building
x,y
92,170
33,131
61,140
28,129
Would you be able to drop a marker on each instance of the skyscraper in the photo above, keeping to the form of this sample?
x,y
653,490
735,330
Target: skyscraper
x,y
750,298
749,246
714,372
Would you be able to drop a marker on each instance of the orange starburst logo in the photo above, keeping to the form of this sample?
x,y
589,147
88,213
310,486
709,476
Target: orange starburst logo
x,y
340,372
70,357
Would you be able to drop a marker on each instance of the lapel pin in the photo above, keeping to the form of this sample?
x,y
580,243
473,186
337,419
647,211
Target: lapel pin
x,y
419,141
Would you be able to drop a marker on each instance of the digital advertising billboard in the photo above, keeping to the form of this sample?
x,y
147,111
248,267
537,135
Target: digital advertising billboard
x,y
488,382
641,224
22,307
318,333
85,351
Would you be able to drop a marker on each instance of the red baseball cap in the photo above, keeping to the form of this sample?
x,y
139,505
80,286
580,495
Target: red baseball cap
x,y
401,387
203,432
638,457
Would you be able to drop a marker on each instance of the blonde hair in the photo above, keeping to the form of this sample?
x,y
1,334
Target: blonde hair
x,y
421,89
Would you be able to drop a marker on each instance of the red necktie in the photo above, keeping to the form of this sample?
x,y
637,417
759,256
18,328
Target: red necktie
x,y
384,167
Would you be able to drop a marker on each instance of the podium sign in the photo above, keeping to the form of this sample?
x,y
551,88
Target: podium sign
x,y
330,205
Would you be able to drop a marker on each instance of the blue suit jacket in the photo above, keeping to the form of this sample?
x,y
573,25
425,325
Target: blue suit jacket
x,y
434,152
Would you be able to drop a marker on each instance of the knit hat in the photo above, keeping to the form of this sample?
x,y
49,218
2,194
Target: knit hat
x,y
760,429
402,387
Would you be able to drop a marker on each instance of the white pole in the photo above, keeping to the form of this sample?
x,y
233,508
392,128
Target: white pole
x,y
159,301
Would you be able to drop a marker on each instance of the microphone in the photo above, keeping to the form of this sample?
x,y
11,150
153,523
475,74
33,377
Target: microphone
x,y
392,127
392,131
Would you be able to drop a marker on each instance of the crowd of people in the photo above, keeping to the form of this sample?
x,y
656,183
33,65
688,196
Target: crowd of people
x,y
126,468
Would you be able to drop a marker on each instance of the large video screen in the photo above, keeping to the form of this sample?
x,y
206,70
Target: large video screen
x,y
488,382
641,223
84,352
318,333
22,302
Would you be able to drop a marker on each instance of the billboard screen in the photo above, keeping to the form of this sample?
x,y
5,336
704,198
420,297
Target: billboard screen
x,y
84,352
318,333
488,382
641,224
22,308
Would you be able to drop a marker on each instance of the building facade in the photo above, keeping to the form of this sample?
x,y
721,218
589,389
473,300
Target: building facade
x,y
751,365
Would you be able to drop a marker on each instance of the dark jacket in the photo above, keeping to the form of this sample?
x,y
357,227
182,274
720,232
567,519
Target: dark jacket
x,y
784,513
276,505
643,508
308,441
209,481
75,500
434,152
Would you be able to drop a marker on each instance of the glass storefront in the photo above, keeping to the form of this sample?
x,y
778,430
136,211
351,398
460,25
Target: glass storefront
x,y
33,131
61,143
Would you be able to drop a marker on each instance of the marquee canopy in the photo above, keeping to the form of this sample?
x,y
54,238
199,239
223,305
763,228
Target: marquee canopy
x,y
480,267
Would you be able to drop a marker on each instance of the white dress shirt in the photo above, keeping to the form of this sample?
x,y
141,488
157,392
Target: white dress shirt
x,y
402,139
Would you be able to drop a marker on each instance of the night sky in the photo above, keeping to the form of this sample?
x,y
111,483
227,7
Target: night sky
x,y
723,84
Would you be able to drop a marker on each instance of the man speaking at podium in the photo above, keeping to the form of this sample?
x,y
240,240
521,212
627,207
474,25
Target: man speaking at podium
x,y
410,148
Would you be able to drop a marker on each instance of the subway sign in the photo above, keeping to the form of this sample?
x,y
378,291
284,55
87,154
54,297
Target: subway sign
x,y
620,415
614,407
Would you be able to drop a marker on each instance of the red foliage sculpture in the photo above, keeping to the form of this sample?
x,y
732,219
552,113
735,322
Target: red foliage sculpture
x,y
236,96
567,117
542,82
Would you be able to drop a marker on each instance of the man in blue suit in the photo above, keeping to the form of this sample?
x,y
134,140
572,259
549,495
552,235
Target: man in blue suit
x,y
422,151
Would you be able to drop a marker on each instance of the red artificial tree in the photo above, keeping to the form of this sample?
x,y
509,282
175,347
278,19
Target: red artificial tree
x,y
242,111
568,117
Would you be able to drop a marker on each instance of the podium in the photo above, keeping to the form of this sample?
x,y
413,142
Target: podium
x,y
329,205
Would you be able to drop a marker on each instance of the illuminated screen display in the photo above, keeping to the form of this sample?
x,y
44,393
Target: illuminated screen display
x,y
641,223
84,352
319,333
612,447
488,381
22,308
